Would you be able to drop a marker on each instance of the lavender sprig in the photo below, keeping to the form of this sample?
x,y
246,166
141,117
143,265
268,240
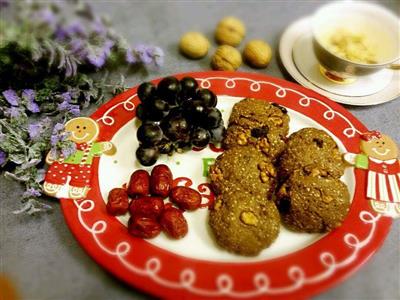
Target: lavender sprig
x,y
46,62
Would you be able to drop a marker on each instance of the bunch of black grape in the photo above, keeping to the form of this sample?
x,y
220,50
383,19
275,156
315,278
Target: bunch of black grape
x,y
176,115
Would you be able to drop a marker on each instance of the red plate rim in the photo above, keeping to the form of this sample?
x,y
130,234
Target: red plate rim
x,y
301,274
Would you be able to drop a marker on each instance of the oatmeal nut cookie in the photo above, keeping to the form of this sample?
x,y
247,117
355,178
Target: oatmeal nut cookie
x,y
243,223
313,204
314,152
245,168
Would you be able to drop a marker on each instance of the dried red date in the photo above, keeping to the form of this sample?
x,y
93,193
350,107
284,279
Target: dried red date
x,y
118,202
185,197
174,223
161,181
139,183
150,207
143,227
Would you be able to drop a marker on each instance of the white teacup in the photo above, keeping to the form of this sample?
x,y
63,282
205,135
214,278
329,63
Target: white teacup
x,y
368,26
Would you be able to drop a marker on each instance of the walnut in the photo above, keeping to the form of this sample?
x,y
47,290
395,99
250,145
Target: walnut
x,y
277,121
283,191
327,199
262,166
230,31
263,145
248,218
216,173
257,53
264,177
218,203
194,45
226,58
315,172
242,140
267,171
270,170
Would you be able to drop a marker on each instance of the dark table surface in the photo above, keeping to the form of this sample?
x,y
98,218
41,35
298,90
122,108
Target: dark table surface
x,y
40,254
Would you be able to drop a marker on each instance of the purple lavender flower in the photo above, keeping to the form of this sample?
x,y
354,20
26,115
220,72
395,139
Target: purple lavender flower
x,y
53,153
158,55
55,136
61,33
107,46
54,139
78,47
68,150
97,60
33,107
147,55
12,112
130,58
70,108
63,106
58,134
58,128
31,192
66,97
3,158
34,131
29,96
37,129
46,16
99,56
72,31
11,97
76,28
75,110
143,53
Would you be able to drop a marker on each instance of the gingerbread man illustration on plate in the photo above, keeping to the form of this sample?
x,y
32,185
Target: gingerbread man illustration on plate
x,y
70,177
380,157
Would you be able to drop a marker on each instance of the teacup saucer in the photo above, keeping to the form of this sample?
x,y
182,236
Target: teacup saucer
x,y
298,58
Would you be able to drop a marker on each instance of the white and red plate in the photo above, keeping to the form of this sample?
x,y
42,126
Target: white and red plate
x,y
295,266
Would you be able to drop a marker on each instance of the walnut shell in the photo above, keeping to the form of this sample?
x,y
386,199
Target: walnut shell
x,y
257,53
226,58
230,31
194,45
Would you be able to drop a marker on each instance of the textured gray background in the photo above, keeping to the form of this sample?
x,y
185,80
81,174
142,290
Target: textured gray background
x,y
40,254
